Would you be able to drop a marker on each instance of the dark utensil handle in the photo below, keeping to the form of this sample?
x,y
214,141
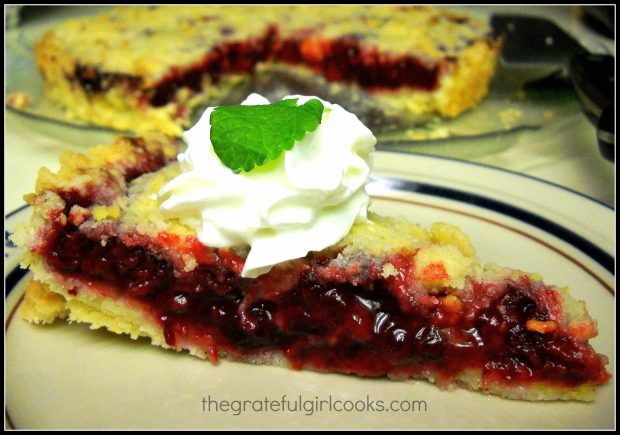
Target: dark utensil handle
x,y
606,135
593,77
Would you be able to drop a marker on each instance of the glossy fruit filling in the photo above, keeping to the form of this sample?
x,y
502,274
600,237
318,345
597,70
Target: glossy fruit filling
x,y
374,328
345,59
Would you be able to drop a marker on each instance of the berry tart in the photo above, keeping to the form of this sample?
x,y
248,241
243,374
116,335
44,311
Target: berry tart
x,y
147,68
389,299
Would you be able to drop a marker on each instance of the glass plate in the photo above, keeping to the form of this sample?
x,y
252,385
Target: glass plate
x,y
493,126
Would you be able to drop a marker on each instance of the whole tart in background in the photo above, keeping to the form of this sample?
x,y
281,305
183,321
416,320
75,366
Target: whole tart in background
x,y
156,64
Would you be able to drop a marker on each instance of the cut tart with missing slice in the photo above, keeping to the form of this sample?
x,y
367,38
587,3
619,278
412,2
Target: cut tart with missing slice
x,y
390,299
147,68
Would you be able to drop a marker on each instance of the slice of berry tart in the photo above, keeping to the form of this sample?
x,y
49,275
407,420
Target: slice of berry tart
x,y
128,238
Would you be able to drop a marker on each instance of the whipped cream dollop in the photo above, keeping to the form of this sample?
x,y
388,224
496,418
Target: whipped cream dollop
x,y
306,200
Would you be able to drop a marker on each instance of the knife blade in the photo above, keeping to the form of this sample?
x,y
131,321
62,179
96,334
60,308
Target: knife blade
x,y
533,42
534,48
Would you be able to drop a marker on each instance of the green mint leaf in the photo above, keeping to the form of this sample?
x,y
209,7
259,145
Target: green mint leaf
x,y
244,137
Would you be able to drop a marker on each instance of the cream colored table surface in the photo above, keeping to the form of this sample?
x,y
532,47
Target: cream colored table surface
x,y
566,154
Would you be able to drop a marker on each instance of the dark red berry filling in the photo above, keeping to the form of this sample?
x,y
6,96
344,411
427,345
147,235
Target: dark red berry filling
x,y
92,80
331,325
345,59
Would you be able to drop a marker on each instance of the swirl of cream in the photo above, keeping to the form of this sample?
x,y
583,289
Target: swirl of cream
x,y
306,200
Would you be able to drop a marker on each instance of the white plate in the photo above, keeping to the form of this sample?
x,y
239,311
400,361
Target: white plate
x,y
65,376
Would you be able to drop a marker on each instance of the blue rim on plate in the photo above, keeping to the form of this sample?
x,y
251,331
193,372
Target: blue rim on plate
x,y
596,253
593,251
487,166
